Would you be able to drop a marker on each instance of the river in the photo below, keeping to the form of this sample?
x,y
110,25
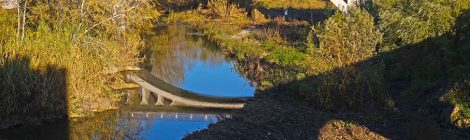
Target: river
x,y
178,54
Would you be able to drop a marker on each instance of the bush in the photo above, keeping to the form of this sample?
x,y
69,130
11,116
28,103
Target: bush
x,y
346,76
459,96
344,40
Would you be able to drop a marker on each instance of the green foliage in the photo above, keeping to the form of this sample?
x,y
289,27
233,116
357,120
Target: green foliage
x,y
344,40
407,22
265,43
287,57
436,33
459,95
346,77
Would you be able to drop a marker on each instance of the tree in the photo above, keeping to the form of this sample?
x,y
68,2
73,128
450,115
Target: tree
x,y
345,39
406,22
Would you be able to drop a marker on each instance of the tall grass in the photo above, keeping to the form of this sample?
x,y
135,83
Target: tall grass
x,y
84,64
342,50
61,66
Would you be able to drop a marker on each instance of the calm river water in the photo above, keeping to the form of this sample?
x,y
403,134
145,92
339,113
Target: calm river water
x,y
177,54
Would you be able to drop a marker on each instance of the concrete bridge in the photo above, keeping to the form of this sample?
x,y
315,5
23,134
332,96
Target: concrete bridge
x,y
167,94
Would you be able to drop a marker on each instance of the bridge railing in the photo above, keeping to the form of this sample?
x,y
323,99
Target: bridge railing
x,y
179,116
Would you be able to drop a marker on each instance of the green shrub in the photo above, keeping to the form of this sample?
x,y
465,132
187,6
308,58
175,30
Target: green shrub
x,y
406,22
459,95
346,76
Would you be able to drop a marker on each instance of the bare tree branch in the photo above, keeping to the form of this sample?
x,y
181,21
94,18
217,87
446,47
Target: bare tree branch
x,y
108,19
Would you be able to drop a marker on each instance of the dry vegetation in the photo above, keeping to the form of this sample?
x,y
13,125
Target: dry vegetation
x,y
54,65
298,4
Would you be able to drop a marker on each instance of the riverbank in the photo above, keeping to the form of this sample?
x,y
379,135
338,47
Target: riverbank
x,y
364,74
392,80
56,66
277,41
273,115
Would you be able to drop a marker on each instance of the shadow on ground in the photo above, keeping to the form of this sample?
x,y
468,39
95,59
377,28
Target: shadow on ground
x,y
31,96
33,105
416,79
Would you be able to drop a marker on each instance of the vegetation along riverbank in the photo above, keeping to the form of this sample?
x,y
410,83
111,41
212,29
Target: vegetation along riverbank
x,y
396,69
56,56
386,69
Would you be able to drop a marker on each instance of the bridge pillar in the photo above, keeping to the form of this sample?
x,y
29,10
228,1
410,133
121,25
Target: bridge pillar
x,y
175,103
145,94
160,100
128,97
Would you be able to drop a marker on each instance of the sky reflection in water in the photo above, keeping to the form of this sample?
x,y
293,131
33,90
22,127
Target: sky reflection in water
x,y
195,64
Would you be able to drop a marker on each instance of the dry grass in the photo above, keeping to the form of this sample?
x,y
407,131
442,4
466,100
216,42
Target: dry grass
x,y
339,129
60,68
83,65
298,4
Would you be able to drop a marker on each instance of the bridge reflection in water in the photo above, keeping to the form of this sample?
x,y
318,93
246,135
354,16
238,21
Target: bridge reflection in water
x,y
151,86
130,122
177,116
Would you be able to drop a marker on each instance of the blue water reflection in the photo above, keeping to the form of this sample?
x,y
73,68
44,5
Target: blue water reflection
x,y
195,64
172,129
192,63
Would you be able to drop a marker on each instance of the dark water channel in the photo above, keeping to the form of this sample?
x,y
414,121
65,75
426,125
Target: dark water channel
x,y
177,54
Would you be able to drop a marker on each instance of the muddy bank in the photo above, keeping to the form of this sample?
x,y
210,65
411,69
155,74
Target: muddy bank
x,y
274,116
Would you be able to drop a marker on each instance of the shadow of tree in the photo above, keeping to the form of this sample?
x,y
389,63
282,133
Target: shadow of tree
x,y
31,96
416,79
311,15
34,106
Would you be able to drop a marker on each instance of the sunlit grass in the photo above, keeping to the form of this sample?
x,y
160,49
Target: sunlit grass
x,y
58,69
298,4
